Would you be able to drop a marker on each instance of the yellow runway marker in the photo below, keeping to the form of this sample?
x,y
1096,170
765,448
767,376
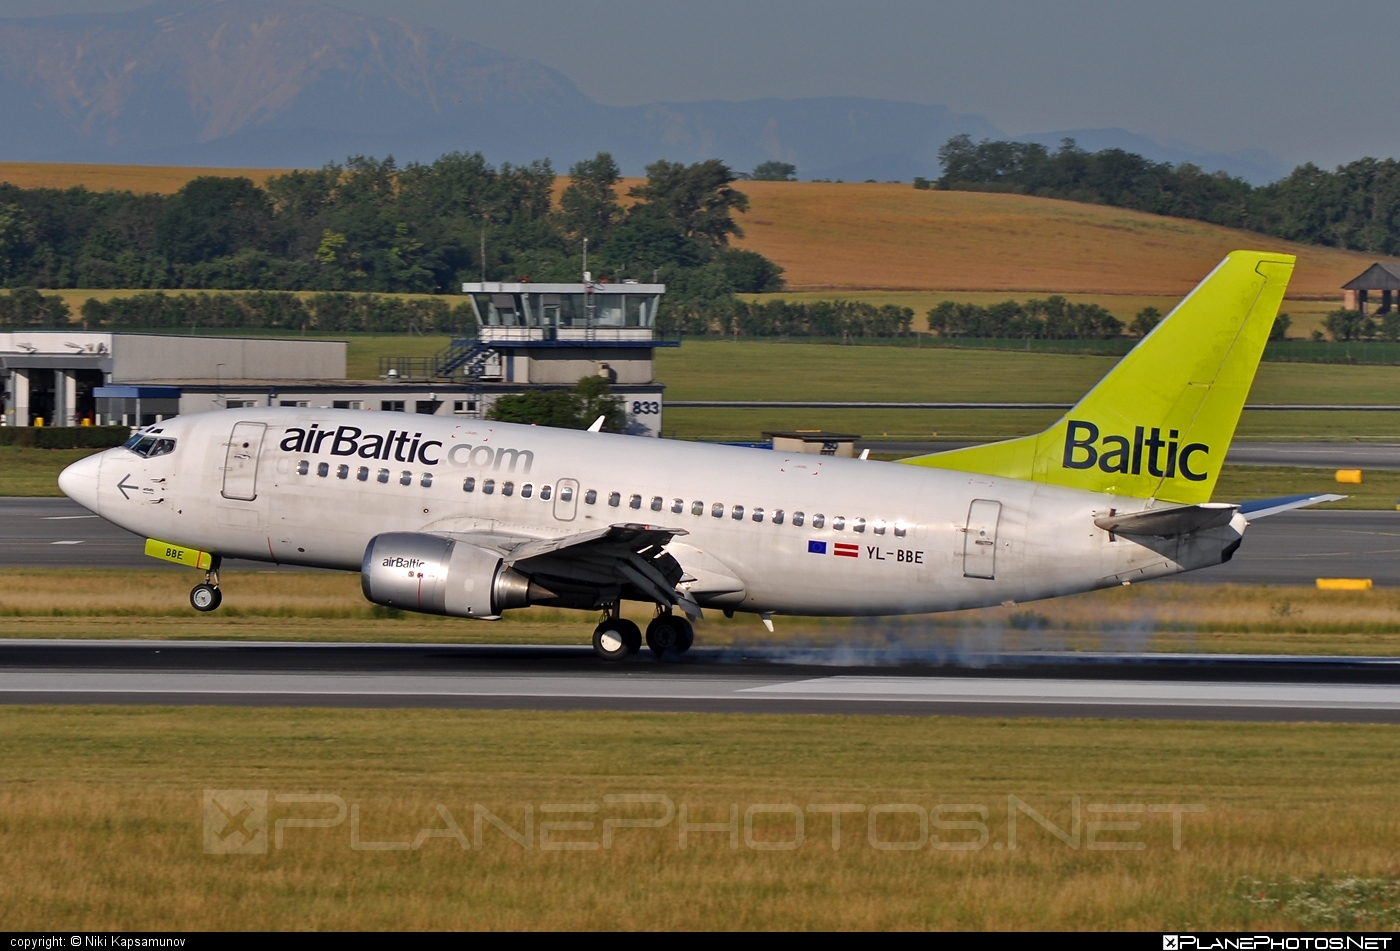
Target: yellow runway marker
x,y
1344,584
1349,476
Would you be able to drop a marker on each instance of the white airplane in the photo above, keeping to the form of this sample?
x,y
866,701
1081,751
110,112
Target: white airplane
x,y
472,518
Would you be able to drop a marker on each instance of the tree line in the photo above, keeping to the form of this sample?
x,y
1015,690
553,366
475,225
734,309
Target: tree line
x,y
1356,206
1352,325
779,318
281,310
378,313
1054,318
371,226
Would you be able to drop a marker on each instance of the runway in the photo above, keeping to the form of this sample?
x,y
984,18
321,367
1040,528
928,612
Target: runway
x,y
1294,548
710,681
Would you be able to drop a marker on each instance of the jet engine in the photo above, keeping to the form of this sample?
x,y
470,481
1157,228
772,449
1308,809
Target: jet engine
x,y
434,575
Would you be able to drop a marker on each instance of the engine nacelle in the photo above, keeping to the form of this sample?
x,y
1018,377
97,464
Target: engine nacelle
x,y
417,572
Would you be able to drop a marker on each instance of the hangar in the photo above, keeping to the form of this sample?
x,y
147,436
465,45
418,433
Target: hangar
x,y
530,337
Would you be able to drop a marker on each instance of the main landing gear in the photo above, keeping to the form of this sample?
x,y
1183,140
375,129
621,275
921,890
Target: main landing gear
x,y
669,635
616,638
207,596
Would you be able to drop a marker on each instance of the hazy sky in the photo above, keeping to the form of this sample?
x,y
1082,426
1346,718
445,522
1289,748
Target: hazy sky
x,y
1302,80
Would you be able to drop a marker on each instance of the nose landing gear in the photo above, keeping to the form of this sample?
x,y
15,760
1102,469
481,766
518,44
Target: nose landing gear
x,y
207,596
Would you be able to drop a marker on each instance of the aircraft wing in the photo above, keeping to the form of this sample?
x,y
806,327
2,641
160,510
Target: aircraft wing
x,y
622,555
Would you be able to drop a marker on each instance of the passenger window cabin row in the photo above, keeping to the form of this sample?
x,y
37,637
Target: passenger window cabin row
x,y
362,474
839,523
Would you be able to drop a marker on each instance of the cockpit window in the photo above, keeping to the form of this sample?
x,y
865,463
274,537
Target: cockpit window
x,y
148,446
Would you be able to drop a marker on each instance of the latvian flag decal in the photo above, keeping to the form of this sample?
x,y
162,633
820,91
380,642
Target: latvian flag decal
x,y
847,551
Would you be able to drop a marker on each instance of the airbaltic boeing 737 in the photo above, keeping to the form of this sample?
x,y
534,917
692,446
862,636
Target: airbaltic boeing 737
x,y
471,518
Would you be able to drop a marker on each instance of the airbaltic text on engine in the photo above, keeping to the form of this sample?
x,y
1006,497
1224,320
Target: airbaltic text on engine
x,y
1116,454
402,446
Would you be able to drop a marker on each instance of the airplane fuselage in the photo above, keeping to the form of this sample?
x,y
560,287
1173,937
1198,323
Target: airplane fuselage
x,y
765,531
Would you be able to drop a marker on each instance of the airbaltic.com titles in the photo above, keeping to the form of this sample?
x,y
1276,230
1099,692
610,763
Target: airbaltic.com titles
x,y
402,446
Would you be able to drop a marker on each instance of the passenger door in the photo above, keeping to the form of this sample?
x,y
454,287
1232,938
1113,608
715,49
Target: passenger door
x,y
566,500
241,461
980,539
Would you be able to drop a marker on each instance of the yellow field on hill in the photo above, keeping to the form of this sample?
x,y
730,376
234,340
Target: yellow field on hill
x,y
852,236
162,179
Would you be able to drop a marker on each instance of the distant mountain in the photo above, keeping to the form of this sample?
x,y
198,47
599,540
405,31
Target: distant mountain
x,y
846,138
1255,165
283,83
186,78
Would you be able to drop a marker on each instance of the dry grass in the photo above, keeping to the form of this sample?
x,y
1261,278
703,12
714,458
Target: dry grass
x,y
258,605
891,237
328,606
161,179
101,814
1167,617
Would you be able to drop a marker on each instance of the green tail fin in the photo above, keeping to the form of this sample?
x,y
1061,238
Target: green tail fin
x,y
1159,424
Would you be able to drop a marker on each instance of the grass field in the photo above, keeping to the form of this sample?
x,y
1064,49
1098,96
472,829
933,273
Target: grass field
x,y
102,812
151,603
34,472
720,369
1379,491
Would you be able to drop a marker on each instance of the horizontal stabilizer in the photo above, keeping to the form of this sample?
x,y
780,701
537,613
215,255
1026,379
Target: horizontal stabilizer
x,y
1262,507
1167,523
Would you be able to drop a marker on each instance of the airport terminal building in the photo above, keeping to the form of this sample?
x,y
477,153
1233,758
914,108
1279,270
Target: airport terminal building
x,y
530,337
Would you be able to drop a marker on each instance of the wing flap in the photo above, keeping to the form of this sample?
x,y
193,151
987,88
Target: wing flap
x,y
620,539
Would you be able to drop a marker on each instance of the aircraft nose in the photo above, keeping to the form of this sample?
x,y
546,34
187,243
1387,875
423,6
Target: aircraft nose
x,y
79,481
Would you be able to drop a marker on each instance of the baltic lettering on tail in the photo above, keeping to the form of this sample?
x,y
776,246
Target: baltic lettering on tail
x,y
1085,448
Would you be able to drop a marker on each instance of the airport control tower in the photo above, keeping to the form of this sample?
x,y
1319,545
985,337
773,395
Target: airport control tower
x,y
557,333
536,336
